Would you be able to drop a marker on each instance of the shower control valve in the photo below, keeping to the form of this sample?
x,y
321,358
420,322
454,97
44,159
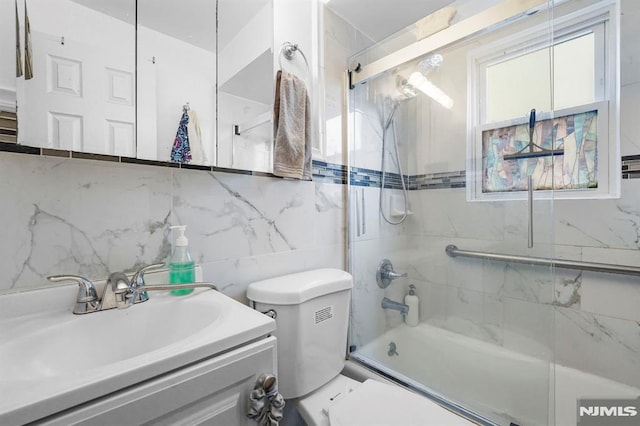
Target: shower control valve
x,y
386,274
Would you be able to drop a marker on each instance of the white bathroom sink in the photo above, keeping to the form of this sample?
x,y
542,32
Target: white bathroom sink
x,y
51,359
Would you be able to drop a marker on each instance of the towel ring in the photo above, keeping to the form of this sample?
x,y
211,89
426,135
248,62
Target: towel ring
x,y
288,50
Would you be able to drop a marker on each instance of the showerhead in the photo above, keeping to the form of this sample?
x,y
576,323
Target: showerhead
x,y
405,90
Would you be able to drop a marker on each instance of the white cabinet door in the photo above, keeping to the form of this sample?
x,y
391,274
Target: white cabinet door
x,y
211,392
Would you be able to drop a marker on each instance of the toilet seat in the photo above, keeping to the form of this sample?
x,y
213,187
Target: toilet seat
x,y
346,402
314,408
376,403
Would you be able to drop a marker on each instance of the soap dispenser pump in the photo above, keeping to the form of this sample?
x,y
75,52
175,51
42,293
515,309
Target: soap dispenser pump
x,y
411,300
181,268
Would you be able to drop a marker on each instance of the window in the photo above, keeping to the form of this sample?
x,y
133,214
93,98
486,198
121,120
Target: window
x,y
571,81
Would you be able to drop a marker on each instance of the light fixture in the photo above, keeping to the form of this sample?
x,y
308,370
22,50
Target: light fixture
x,y
430,63
420,82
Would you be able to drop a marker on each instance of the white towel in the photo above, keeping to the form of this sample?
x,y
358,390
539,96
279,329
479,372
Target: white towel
x,y
198,153
292,128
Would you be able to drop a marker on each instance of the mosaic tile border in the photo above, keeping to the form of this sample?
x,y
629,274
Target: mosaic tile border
x,y
329,172
336,173
322,171
442,180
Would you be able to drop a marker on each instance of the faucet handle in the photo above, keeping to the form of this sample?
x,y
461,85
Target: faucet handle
x,y
137,282
87,299
394,275
385,274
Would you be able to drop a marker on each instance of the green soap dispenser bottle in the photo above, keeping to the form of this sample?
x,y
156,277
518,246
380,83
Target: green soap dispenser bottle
x,y
182,269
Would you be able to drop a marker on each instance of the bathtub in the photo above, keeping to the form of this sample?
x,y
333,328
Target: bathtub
x,y
500,385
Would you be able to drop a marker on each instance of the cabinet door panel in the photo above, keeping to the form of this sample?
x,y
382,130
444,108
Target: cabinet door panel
x,y
212,392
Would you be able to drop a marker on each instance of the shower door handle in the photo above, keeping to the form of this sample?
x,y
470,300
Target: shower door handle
x,y
364,214
361,222
358,208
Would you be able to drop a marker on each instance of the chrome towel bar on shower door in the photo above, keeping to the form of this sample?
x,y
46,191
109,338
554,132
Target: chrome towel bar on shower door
x,y
454,251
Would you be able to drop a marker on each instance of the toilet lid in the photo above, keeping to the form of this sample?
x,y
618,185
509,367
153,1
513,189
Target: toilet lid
x,y
380,404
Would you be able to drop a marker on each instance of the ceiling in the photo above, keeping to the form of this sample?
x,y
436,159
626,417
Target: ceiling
x,y
379,19
196,23
192,21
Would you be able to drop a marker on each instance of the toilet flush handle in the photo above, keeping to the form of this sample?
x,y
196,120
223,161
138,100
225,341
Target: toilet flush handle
x,y
271,313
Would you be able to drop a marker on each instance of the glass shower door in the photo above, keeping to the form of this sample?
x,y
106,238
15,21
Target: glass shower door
x,y
484,343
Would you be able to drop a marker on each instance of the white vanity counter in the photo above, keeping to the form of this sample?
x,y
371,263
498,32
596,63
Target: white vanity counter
x,y
52,360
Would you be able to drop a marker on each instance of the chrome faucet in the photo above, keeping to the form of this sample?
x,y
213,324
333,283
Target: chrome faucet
x,y
114,293
87,299
119,292
390,304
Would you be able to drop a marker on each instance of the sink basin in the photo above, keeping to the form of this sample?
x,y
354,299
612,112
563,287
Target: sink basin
x,y
75,343
51,360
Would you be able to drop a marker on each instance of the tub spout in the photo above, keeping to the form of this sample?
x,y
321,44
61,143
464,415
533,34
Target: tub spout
x,y
390,304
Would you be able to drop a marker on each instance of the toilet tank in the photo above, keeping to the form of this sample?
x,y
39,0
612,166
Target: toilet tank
x,y
312,310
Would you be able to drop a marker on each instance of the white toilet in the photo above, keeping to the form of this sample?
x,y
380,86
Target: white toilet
x,y
312,316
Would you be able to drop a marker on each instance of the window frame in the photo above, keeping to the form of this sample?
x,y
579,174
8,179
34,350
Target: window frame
x,y
602,19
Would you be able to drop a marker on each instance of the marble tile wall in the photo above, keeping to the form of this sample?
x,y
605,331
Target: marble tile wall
x,y
92,218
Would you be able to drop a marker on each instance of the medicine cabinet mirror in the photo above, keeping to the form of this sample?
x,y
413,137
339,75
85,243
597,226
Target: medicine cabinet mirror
x,y
245,84
85,86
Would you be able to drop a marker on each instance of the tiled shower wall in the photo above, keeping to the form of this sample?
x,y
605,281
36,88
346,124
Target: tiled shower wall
x,y
586,320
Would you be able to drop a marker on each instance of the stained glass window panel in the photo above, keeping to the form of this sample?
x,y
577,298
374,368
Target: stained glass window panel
x,y
576,134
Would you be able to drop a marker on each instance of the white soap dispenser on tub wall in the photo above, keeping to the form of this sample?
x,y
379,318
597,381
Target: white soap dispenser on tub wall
x,y
411,300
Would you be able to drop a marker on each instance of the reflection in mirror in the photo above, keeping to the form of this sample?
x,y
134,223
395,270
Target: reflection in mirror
x,y
77,89
7,72
177,80
245,84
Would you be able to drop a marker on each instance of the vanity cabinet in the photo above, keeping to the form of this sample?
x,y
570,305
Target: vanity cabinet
x,y
213,391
